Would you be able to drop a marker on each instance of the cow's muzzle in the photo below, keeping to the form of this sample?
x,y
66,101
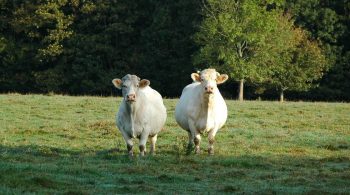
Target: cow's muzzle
x,y
131,98
209,89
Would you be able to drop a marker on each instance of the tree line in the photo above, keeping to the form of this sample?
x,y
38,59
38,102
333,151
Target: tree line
x,y
269,48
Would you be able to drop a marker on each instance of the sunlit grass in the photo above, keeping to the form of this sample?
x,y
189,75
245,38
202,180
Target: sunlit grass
x,y
63,144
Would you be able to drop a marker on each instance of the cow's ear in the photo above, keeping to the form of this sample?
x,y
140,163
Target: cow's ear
x,y
195,77
117,83
144,83
221,79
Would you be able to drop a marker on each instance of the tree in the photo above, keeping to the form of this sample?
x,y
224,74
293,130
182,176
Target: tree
x,y
105,44
300,65
16,56
166,45
328,22
296,61
234,36
75,46
45,22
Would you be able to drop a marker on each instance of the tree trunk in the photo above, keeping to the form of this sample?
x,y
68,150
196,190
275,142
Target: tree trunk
x,y
281,96
241,84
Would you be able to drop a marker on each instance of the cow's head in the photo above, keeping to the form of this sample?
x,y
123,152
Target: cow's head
x,y
130,84
209,79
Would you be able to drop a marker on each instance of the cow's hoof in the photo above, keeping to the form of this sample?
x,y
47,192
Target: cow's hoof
x,y
197,151
189,149
142,154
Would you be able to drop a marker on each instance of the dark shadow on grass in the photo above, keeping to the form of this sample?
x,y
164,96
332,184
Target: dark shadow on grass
x,y
38,151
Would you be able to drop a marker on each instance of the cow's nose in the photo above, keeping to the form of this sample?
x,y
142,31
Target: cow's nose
x,y
209,89
131,97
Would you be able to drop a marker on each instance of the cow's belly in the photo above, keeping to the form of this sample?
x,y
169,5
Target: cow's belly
x,y
203,125
147,127
138,130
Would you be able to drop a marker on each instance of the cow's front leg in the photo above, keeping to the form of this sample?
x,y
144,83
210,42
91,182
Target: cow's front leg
x,y
197,141
129,143
195,136
143,141
190,142
211,140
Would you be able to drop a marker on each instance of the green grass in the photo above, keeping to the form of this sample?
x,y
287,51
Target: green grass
x,y
70,145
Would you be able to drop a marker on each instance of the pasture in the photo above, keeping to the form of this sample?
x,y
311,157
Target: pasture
x,y
70,145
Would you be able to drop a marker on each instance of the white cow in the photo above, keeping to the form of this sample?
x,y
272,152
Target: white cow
x,y
141,114
201,108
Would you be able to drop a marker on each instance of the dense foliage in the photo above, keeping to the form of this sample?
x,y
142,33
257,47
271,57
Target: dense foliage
x,y
234,36
78,47
258,44
329,22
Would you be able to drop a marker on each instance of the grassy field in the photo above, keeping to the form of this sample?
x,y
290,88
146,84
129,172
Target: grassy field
x,y
70,145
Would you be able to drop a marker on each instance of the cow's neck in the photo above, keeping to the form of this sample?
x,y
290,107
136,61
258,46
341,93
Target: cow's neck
x,y
132,110
207,105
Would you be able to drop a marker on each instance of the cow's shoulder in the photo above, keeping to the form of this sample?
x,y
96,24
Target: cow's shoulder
x,y
151,94
190,90
191,86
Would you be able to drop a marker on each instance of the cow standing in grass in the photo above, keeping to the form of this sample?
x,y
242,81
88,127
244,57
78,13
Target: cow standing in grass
x,y
141,114
201,108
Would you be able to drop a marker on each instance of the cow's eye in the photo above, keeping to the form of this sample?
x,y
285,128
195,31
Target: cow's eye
x,y
137,85
124,86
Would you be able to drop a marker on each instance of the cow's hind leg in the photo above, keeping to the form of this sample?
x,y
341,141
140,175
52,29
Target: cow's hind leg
x,y
153,144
